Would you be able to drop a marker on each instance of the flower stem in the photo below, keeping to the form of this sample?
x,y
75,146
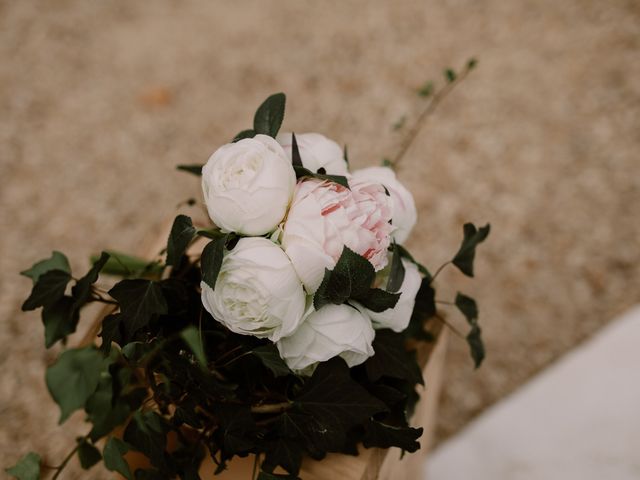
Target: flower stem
x,y
70,455
440,268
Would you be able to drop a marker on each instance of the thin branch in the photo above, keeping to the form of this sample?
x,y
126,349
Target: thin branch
x,y
69,456
271,408
440,268
428,110
451,327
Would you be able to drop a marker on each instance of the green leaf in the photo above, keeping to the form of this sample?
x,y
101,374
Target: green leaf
x,y
296,159
350,278
88,455
467,252
472,63
60,320
211,260
335,399
147,433
426,90
305,172
244,134
396,271
139,300
476,345
81,292
468,307
391,359
111,332
182,232
194,169
450,75
269,116
124,265
378,300
114,460
404,253
192,337
28,468
106,410
270,358
58,261
73,378
283,452
49,288
380,435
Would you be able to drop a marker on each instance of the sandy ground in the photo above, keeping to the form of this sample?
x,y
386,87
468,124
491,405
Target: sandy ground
x,y
99,101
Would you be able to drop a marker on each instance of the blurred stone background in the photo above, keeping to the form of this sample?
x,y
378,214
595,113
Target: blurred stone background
x,y
100,100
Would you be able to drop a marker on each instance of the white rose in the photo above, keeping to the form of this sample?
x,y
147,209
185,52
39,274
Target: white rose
x,y
248,185
325,217
257,291
404,207
316,151
334,330
397,318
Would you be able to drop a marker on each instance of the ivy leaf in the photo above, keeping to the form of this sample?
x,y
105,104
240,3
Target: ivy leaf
x,y
391,359
124,265
467,252
73,378
450,75
114,460
380,435
60,320
378,300
244,134
58,261
211,260
296,159
140,300
147,433
404,253
193,339
88,455
350,278
182,232
269,116
423,309
283,452
396,272
334,399
112,331
468,307
193,169
476,345
305,172
82,289
104,411
27,468
49,288
270,358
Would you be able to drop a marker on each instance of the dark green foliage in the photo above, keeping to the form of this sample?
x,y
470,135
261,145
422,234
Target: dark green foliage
x,y
192,169
467,252
404,253
396,272
244,134
450,75
270,358
113,455
124,265
426,90
269,116
28,468
193,338
88,454
211,260
391,359
304,172
378,434
139,300
296,160
49,288
73,378
469,309
182,232
58,261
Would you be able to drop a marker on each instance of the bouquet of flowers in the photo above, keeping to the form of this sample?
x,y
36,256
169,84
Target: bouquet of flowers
x,y
280,329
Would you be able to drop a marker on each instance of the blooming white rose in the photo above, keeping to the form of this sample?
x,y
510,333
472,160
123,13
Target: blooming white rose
x,y
316,151
404,207
248,185
334,330
325,216
257,291
397,318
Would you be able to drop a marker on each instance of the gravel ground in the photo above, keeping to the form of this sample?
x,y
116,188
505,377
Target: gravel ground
x,y
99,101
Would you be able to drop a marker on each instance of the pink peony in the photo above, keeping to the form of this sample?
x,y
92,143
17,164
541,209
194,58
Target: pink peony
x,y
325,217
